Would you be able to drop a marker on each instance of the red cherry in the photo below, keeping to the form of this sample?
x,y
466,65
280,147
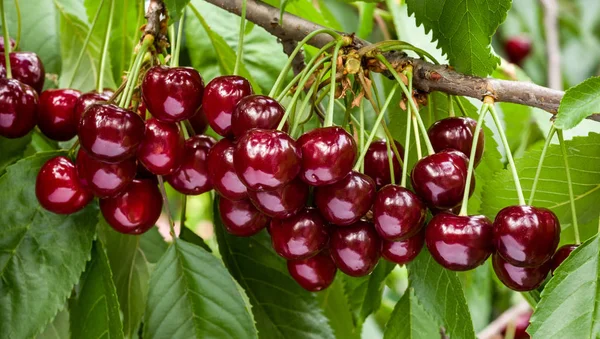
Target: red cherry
x,y
456,133
328,155
283,202
56,113
191,178
162,148
85,100
300,236
26,67
58,188
104,179
346,201
561,254
517,48
241,218
18,108
397,213
404,251
313,274
143,173
377,164
172,94
199,122
221,172
355,249
12,44
519,278
220,98
526,236
255,111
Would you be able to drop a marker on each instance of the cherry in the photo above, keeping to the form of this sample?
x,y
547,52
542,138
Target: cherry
x,y
355,249
172,94
12,44
199,122
346,201
104,179
85,100
221,172
191,177
440,179
397,213
456,133
300,236
377,164
58,189
266,159
521,324
162,148
18,108
241,218
459,243
283,202
519,278
26,67
135,210
110,133
404,251
517,48
255,111
526,236
56,113
328,155
220,98
143,173
561,254
313,274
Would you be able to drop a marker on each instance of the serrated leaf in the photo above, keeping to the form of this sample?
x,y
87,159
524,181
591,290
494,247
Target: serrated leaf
x,y
336,306
578,103
193,238
42,254
12,150
58,328
193,296
175,9
410,321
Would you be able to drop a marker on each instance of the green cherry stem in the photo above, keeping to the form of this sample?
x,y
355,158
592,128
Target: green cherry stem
x,y
329,116
406,145
461,107
362,131
538,171
240,47
163,192
6,41
417,137
451,107
300,118
176,52
390,162
18,38
563,148
132,76
100,79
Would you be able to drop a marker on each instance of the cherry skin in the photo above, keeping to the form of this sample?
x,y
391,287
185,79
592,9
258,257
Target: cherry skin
x,y
110,133
328,155
300,236
313,274
199,122
561,254
12,44
135,210
517,48
221,172
241,218
58,188
346,201
162,148
56,113
18,108
377,164
526,236
283,202
355,249
191,178
404,251
220,98
459,243
397,213
456,133
519,278
255,111
266,159
172,94
85,100
104,179
26,67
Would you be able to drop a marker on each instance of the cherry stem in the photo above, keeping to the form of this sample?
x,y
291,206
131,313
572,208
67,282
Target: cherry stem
x,y
163,192
183,215
329,116
450,107
240,47
406,143
133,75
463,111
538,171
362,132
6,41
179,38
303,105
386,130
417,138
18,38
111,12
563,148
390,162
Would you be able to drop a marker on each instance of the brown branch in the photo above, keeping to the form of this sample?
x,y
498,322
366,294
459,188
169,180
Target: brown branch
x,y
154,25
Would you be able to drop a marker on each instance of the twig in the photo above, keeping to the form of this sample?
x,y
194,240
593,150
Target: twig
x,y
156,8
496,326
552,43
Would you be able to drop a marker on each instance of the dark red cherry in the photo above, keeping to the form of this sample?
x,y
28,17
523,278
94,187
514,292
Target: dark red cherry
x,y
18,108
255,111
220,98
26,67
266,159
172,94
58,188
282,202
377,163
526,236
110,133
300,236
56,113
519,278
135,210
561,254
143,173
397,213
459,243
521,324
241,218
221,172
328,155
346,201
404,251
517,48
104,179
12,44
161,151
313,274
85,100
355,249
199,122
191,178
456,133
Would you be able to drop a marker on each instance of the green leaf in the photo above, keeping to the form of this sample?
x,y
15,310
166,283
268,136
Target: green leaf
x,y
193,296
58,328
12,150
42,255
153,245
477,286
578,103
365,24
95,310
175,8
336,306
191,237
410,321
463,29
306,9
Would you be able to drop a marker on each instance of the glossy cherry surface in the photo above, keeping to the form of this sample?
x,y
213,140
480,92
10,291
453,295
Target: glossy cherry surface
x,y
266,159
526,236
58,188
110,133
300,236
377,164
56,113
161,151
397,213
561,254
12,44
355,249
199,122
241,218
104,179
26,67
459,243
282,202
85,100
346,201
191,177
135,210
221,172
519,278
172,94
404,251
456,133
18,108
328,155
255,111
313,274
220,98
517,48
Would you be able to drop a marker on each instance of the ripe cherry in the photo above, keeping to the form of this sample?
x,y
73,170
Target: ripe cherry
x,y
459,243
355,249
377,164
561,254
221,172
404,251
255,111
282,202
241,218
517,48
220,98
85,100
56,113
313,274
104,179
526,236
456,133
191,177
519,278
199,122
346,201
135,210
172,94
58,188
397,213
12,44
26,67
300,236
162,148
18,108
